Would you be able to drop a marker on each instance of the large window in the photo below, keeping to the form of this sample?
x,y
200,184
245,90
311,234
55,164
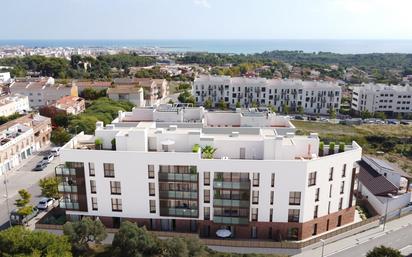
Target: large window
x,y
108,170
150,170
206,179
254,214
340,203
93,186
330,190
255,179
206,194
312,179
342,187
331,174
272,181
293,215
116,204
317,193
344,171
152,205
94,203
115,188
92,171
272,197
206,211
294,198
255,197
315,212
152,190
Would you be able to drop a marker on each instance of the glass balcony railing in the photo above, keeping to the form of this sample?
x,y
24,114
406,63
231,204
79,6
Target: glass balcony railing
x,y
64,171
179,212
67,189
69,205
177,177
231,203
178,195
230,220
231,185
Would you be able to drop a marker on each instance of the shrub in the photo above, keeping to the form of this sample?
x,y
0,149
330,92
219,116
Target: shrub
x,y
196,148
331,147
341,147
321,146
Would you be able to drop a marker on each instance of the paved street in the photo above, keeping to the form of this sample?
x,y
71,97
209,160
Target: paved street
x,y
25,178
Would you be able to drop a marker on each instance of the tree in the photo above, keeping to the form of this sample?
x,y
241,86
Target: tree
x,y
254,104
19,241
380,115
285,109
238,105
175,247
61,120
49,187
81,233
332,113
208,152
23,208
383,251
60,136
300,110
133,241
366,114
222,105
208,104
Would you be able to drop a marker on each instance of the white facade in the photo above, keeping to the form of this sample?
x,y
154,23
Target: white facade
x,y
283,164
14,103
382,98
315,97
5,77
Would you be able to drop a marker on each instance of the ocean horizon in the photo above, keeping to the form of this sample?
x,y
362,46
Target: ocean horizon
x,y
235,46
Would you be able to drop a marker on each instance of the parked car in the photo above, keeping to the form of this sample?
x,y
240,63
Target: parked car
x,y
298,117
18,219
393,122
403,122
45,203
41,165
55,151
312,118
48,158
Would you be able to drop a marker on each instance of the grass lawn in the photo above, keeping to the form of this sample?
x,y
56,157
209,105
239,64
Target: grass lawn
x,y
400,134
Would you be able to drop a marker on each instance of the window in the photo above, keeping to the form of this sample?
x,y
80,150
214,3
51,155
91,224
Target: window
x,y
152,190
115,188
339,220
108,170
94,203
152,204
315,212
116,204
206,178
293,233
340,203
255,197
253,232
312,179
314,229
342,187
254,214
206,211
150,170
293,215
92,172
93,186
271,214
327,225
294,198
272,196
255,179
317,194
344,171
206,194
329,208
272,183
330,190
331,174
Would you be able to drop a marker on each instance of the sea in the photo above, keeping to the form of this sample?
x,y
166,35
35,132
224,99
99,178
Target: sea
x,y
240,46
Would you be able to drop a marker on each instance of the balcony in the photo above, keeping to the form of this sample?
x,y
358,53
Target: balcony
x,y
65,188
178,195
64,171
231,185
178,177
231,203
230,220
179,212
69,205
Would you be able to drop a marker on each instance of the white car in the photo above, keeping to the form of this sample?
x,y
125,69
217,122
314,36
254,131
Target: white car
x,y
55,151
45,203
48,158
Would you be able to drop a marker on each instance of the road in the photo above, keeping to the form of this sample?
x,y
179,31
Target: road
x,y
23,178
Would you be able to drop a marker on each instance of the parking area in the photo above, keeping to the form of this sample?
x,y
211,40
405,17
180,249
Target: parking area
x,y
24,178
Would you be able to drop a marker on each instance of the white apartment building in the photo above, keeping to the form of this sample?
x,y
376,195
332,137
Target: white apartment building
x,y
5,77
14,103
42,91
147,167
382,98
315,97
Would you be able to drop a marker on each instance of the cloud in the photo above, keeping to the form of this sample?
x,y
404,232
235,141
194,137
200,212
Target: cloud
x,y
202,3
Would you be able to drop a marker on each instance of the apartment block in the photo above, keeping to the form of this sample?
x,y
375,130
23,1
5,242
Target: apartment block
x,y
21,137
315,97
11,104
42,91
382,98
259,181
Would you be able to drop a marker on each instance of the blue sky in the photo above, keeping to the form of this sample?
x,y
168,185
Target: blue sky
x,y
206,19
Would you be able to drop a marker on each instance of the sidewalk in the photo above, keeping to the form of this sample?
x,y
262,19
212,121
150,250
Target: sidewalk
x,y
356,240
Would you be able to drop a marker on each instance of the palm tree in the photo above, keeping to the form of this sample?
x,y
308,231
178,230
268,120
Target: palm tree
x,y
208,152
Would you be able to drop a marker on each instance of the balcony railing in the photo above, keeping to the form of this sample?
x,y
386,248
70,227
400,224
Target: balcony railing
x,y
230,220
67,188
64,171
179,212
231,203
177,177
69,205
178,195
231,185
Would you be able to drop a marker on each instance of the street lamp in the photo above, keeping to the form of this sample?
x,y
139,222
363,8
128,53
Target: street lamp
x,y
7,196
323,246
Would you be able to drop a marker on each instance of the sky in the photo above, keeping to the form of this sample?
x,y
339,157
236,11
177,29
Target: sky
x,y
206,19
